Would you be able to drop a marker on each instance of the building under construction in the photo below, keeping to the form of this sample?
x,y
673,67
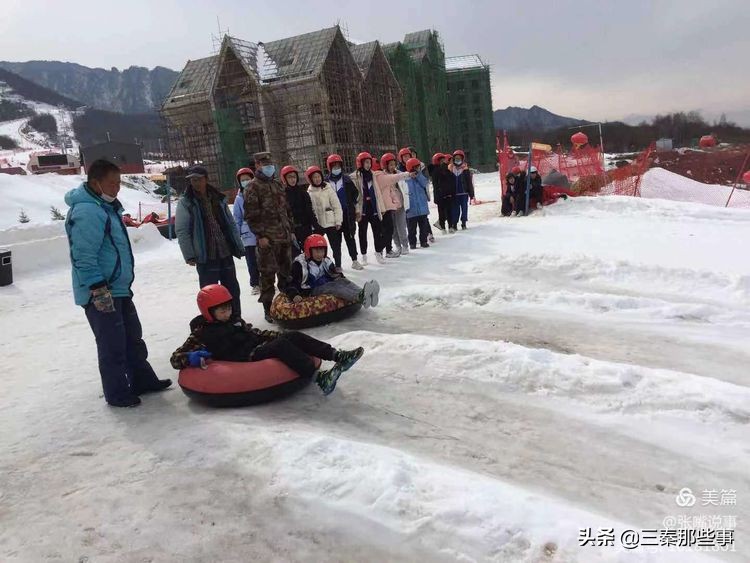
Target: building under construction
x,y
470,119
302,98
310,95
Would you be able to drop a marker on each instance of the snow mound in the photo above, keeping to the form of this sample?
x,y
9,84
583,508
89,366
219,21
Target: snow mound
x,y
660,183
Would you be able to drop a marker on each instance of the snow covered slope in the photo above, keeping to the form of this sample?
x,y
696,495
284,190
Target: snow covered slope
x,y
660,183
523,380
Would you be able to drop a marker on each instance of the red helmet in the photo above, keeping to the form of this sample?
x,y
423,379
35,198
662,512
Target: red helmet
x,y
459,152
437,157
212,296
288,169
361,157
516,170
376,165
412,164
312,170
242,171
333,158
405,152
314,241
385,159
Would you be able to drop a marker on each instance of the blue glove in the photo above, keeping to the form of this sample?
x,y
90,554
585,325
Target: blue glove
x,y
198,358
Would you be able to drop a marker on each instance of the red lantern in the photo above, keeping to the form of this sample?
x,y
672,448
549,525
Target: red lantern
x,y
746,177
579,139
707,141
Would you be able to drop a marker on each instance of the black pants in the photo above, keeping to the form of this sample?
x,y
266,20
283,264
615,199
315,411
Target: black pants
x,y
386,230
334,241
423,224
444,206
349,228
222,271
123,356
301,234
377,233
294,349
252,265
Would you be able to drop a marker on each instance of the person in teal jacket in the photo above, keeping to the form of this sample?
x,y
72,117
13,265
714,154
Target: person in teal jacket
x,y
103,272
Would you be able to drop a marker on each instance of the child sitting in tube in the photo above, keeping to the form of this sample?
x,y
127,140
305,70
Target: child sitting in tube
x,y
214,335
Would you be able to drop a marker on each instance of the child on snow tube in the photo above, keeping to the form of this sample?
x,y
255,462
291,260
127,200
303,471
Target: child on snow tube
x,y
217,335
313,274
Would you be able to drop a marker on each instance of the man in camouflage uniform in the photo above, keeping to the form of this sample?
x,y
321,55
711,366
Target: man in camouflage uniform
x,y
269,216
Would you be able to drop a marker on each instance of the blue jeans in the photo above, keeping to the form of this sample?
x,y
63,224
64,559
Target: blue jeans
x,y
123,356
222,271
252,265
460,208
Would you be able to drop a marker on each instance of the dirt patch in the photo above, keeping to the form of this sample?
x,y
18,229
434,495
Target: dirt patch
x,y
720,165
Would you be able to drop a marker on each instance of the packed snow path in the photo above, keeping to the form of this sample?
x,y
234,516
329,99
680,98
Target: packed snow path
x,y
522,380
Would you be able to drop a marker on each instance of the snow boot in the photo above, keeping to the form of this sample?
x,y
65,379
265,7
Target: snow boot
x,y
356,265
160,385
451,230
345,359
327,379
267,313
425,245
463,226
126,402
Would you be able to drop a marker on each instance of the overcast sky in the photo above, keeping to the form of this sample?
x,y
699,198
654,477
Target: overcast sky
x,y
600,59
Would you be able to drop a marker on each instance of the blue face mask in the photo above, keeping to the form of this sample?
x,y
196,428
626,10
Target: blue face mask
x,y
336,171
268,170
244,183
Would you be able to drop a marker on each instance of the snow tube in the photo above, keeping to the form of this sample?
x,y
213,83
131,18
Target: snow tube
x,y
239,384
311,311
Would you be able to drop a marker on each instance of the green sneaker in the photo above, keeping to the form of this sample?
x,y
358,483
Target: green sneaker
x,y
327,379
345,359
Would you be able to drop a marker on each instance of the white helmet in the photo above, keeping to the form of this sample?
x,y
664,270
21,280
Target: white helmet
x,y
533,169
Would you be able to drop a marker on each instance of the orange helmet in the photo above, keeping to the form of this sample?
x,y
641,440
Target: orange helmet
x,y
242,171
312,170
405,152
459,152
385,159
376,165
361,157
437,157
332,159
516,170
314,241
212,296
412,164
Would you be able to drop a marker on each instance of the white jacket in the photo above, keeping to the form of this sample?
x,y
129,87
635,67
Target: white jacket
x,y
326,206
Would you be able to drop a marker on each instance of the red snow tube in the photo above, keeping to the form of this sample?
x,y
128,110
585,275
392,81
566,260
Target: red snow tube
x,y
239,384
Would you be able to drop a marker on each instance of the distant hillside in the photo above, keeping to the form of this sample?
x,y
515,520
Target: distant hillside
x,y
94,126
133,90
34,92
534,119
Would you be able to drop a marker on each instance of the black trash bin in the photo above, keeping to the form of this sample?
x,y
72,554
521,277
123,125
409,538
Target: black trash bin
x,y
6,267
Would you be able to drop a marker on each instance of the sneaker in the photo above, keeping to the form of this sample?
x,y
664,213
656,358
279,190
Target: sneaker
x,y
374,293
345,359
160,385
451,230
363,259
379,258
356,265
255,290
405,250
327,379
126,402
364,296
393,254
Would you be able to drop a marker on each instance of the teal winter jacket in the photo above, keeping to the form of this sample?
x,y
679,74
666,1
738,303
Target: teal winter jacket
x,y
100,251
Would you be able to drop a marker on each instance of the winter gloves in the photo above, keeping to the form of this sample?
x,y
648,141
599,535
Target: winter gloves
x,y
198,358
101,298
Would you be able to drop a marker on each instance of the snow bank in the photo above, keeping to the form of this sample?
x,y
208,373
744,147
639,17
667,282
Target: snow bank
x,y
36,194
660,183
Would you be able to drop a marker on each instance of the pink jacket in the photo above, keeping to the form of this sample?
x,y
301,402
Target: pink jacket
x,y
387,192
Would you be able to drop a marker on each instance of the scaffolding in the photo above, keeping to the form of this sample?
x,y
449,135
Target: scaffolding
x,y
470,119
302,98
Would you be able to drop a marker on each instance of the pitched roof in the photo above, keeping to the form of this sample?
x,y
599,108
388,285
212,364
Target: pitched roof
x,y
464,62
246,51
363,54
194,82
299,56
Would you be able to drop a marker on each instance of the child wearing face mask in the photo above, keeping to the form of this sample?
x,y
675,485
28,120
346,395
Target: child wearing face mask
x,y
244,177
348,195
464,190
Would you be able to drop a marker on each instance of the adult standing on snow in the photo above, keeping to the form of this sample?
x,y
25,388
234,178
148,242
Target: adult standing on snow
x,y
103,272
268,214
208,235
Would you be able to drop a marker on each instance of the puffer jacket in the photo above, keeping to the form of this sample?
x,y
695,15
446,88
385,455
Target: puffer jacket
x,y
326,206
100,252
308,274
387,188
358,181
348,195
238,211
418,196
443,183
305,222
463,181
188,226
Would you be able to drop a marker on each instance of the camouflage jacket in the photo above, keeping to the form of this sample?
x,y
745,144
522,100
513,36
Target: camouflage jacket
x,y
267,210
230,341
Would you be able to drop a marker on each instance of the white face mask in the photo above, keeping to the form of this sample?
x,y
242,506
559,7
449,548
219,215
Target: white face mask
x,y
336,171
245,183
108,198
